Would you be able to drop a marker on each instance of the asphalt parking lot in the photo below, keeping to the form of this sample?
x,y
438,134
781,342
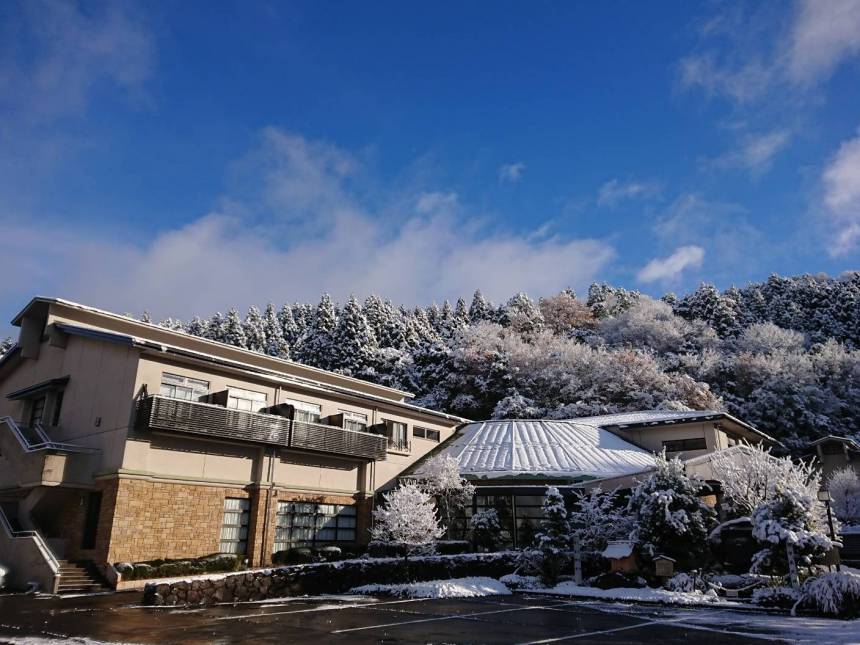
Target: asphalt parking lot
x,y
117,618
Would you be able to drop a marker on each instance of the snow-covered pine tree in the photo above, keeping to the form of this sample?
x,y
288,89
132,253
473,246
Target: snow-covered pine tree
x,y
145,317
407,516
597,518
551,554
354,343
316,346
461,315
275,344
255,335
289,328
480,309
485,529
234,331
521,314
6,344
668,516
198,327
216,327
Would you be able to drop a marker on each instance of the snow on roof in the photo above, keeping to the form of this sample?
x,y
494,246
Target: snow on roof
x,y
618,549
569,449
645,417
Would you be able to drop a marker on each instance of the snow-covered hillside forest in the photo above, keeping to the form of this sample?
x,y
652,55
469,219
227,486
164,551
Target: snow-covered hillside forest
x,y
783,354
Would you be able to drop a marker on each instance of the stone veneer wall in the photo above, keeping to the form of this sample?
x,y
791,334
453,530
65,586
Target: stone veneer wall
x,y
154,519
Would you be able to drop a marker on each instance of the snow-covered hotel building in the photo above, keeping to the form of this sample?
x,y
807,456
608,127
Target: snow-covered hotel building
x,y
125,441
511,462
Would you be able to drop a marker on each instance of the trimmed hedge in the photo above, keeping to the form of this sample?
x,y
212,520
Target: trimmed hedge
x,y
215,563
304,555
328,577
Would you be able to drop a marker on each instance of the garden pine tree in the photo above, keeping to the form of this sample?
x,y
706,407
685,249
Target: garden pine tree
x,y
234,331
255,335
355,345
275,344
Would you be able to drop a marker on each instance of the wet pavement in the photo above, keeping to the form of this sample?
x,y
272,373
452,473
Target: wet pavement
x,y
356,619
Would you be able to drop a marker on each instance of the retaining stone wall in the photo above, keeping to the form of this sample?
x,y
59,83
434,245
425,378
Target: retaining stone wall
x,y
329,577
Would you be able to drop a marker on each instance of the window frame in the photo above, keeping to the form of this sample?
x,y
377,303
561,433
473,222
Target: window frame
x,y
243,510
357,418
297,407
307,532
256,403
685,445
425,433
190,384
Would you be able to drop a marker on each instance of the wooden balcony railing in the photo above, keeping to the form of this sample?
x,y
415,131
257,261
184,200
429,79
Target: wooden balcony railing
x,y
176,415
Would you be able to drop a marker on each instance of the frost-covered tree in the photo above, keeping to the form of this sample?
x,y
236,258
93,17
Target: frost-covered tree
x,y
789,516
485,529
407,516
215,330
198,327
354,345
440,477
749,473
668,516
255,334
145,317
598,517
521,314
767,338
551,553
233,330
6,344
844,487
565,314
289,328
273,332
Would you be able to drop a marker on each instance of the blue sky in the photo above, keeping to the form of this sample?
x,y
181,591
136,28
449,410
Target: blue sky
x,y
184,157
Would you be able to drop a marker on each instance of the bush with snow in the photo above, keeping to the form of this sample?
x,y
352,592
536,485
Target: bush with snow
x,y
408,516
687,582
668,516
780,596
844,487
485,529
456,588
789,516
832,594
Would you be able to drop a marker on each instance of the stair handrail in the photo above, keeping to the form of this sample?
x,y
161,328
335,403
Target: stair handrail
x,y
45,444
42,545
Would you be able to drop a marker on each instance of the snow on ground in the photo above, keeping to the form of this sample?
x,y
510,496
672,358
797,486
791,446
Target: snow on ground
x,y
645,594
454,588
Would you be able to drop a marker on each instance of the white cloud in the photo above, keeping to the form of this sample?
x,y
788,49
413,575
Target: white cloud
x,y
75,50
825,33
240,254
511,172
841,185
668,268
755,153
614,191
748,56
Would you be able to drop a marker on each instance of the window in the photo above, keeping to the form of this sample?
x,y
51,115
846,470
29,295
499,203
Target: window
x,y
234,530
354,420
183,387
247,400
307,412
680,445
397,436
426,433
37,411
309,524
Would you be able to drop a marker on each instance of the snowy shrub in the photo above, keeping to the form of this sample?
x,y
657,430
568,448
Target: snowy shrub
x,y
687,582
300,555
485,529
516,581
789,516
440,478
617,579
551,553
124,569
844,487
668,516
783,597
408,516
832,594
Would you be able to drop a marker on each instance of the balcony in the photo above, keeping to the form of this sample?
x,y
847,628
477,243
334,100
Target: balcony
x,y
399,445
176,415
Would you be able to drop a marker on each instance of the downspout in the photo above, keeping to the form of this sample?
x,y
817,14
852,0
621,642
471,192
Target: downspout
x,y
271,477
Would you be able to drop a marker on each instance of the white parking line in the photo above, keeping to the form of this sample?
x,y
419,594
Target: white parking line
x,y
436,618
323,608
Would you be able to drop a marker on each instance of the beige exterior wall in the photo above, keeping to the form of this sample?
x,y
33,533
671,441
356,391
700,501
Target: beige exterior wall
x,y
652,438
